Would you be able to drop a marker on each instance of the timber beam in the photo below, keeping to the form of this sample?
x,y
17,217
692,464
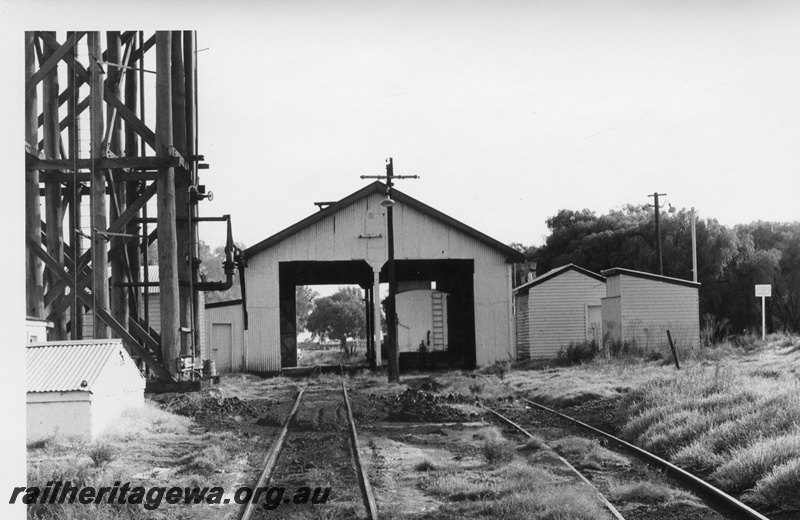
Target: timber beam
x,y
102,313
67,166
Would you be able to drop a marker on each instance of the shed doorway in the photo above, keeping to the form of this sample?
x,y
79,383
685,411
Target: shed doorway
x,y
292,274
221,343
452,277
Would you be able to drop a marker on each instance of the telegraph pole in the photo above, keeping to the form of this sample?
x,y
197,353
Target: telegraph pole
x,y
658,232
391,312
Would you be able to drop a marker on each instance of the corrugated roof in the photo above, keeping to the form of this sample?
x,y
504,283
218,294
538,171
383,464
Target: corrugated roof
x,y
552,273
650,276
64,366
379,187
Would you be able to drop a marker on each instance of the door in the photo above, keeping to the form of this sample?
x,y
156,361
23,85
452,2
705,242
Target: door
x,y
594,323
221,341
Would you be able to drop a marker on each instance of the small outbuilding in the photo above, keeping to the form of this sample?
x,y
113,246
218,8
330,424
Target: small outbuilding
x,y
639,308
79,387
560,307
37,329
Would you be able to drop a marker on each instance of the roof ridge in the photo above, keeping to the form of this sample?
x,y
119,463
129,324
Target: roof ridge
x,y
379,187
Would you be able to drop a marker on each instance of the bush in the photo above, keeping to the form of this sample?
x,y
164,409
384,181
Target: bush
x,y
579,352
103,453
499,368
425,465
498,452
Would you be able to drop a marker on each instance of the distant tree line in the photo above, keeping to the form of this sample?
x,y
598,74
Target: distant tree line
x,y
730,261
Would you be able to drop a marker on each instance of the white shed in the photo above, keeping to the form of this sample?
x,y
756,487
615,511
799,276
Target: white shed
x,y
640,307
557,308
79,387
37,329
345,243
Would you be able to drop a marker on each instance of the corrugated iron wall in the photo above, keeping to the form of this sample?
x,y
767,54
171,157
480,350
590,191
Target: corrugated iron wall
x,y
651,307
557,311
417,236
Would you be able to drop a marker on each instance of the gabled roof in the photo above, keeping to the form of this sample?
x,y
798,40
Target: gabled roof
x,y
66,366
552,273
650,276
379,187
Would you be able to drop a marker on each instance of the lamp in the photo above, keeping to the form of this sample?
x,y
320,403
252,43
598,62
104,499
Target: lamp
x,y
387,202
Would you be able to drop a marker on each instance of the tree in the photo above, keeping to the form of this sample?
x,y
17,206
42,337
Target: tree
x,y
529,266
338,317
304,297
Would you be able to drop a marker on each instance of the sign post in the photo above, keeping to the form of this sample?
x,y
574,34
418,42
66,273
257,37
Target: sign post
x,y
765,291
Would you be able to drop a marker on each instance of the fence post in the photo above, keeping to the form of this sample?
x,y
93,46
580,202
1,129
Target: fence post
x,y
674,352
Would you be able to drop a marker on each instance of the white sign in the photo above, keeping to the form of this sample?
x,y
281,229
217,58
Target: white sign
x,y
764,290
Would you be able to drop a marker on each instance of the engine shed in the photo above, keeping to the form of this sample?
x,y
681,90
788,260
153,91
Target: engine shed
x,y
345,243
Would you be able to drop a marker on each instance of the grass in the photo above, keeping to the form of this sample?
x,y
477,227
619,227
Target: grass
x,y
731,414
516,490
735,421
113,457
476,384
588,454
648,492
333,356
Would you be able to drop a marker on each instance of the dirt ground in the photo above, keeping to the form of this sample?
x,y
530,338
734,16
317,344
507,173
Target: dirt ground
x,y
426,444
430,448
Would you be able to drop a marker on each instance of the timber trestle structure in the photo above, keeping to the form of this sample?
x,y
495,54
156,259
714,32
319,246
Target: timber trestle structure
x,y
91,100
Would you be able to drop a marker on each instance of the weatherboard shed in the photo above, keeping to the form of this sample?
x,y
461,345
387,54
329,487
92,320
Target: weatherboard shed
x,y
639,308
79,387
560,307
345,242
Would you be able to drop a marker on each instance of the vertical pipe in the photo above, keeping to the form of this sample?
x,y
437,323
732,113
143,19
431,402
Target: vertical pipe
x,y
132,188
143,152
694,246
167,233
119,293
376,310
98,187
54,212
181,192
190,71
368,326
73,132
34,287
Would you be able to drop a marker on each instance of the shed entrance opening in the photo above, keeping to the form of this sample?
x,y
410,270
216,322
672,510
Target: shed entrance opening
x,y
452,277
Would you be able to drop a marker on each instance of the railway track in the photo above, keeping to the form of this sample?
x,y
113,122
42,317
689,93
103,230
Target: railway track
x,y
723,504
310,445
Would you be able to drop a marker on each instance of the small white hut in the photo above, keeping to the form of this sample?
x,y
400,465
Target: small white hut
x,y
560,307
79,387
641,307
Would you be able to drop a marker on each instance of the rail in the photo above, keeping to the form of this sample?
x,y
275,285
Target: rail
x,y
671,469
271,459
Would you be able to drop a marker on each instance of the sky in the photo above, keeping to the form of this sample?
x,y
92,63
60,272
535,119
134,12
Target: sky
x,y
509,111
